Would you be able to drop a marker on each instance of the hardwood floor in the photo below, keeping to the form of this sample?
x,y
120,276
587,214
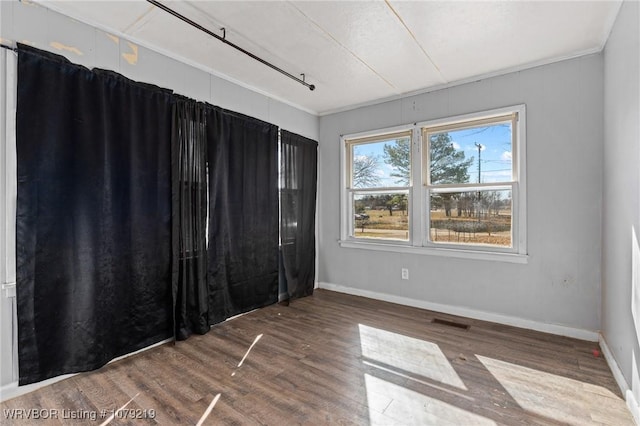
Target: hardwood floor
x,y
338,359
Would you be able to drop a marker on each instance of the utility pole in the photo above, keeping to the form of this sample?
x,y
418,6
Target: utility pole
x,y
479,157
479,175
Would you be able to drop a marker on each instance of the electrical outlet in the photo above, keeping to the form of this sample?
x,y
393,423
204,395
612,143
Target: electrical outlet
x,y
405,274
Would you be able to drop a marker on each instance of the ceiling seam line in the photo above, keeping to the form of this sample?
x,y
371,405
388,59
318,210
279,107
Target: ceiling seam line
x,y
139,21
416,40
344,47
211,21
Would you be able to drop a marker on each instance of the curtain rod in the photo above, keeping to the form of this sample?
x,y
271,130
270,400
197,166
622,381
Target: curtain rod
x,y
4,46
235,46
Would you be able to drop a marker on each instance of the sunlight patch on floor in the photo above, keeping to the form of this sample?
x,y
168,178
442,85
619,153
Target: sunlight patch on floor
x,y
206,413
392,404
246,354
431,384
555,397
413,356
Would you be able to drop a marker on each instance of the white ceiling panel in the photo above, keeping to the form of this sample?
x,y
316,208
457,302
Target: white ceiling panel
x,y
466,38
294,43
188,42
373,34
358,52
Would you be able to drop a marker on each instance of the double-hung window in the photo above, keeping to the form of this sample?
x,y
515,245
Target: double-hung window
x,y
453,186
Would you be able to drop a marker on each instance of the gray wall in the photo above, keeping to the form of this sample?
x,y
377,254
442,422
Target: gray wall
x,y
560,285
32,24
621,219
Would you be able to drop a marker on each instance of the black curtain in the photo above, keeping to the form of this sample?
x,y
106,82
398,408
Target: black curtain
x,y
243,211
189,188
94,216
298,168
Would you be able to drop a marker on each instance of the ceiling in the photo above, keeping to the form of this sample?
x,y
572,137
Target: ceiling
x,y
358,52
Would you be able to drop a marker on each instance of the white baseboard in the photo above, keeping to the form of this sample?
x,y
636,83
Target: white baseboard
x,y
561,330
632,403
12,389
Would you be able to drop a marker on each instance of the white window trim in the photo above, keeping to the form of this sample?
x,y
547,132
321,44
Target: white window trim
x,y
418,239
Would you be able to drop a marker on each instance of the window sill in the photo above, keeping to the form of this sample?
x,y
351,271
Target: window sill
x,y
432,251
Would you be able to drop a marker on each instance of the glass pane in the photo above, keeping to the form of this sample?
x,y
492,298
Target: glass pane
x,y
479,154
385,163
479,217
381,216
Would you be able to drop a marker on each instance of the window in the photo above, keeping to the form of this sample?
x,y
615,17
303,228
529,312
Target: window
x,y
379,187
453,186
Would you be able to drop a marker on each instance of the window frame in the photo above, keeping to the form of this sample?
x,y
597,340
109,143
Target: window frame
x,y
349,191
419,227
462,123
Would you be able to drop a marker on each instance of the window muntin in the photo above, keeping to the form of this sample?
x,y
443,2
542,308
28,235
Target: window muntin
x,y
379,176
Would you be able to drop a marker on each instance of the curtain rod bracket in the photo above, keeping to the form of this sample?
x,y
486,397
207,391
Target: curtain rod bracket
x,y
311,87
227,42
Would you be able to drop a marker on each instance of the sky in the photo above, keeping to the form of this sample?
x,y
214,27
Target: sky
x,y
495,158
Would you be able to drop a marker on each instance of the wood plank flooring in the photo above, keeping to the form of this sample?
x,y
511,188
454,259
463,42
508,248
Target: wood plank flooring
x,y
338,359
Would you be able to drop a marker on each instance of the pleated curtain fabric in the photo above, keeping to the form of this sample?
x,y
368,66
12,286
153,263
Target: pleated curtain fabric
x,y
243,225
93,216
298,183
190,204
143,215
